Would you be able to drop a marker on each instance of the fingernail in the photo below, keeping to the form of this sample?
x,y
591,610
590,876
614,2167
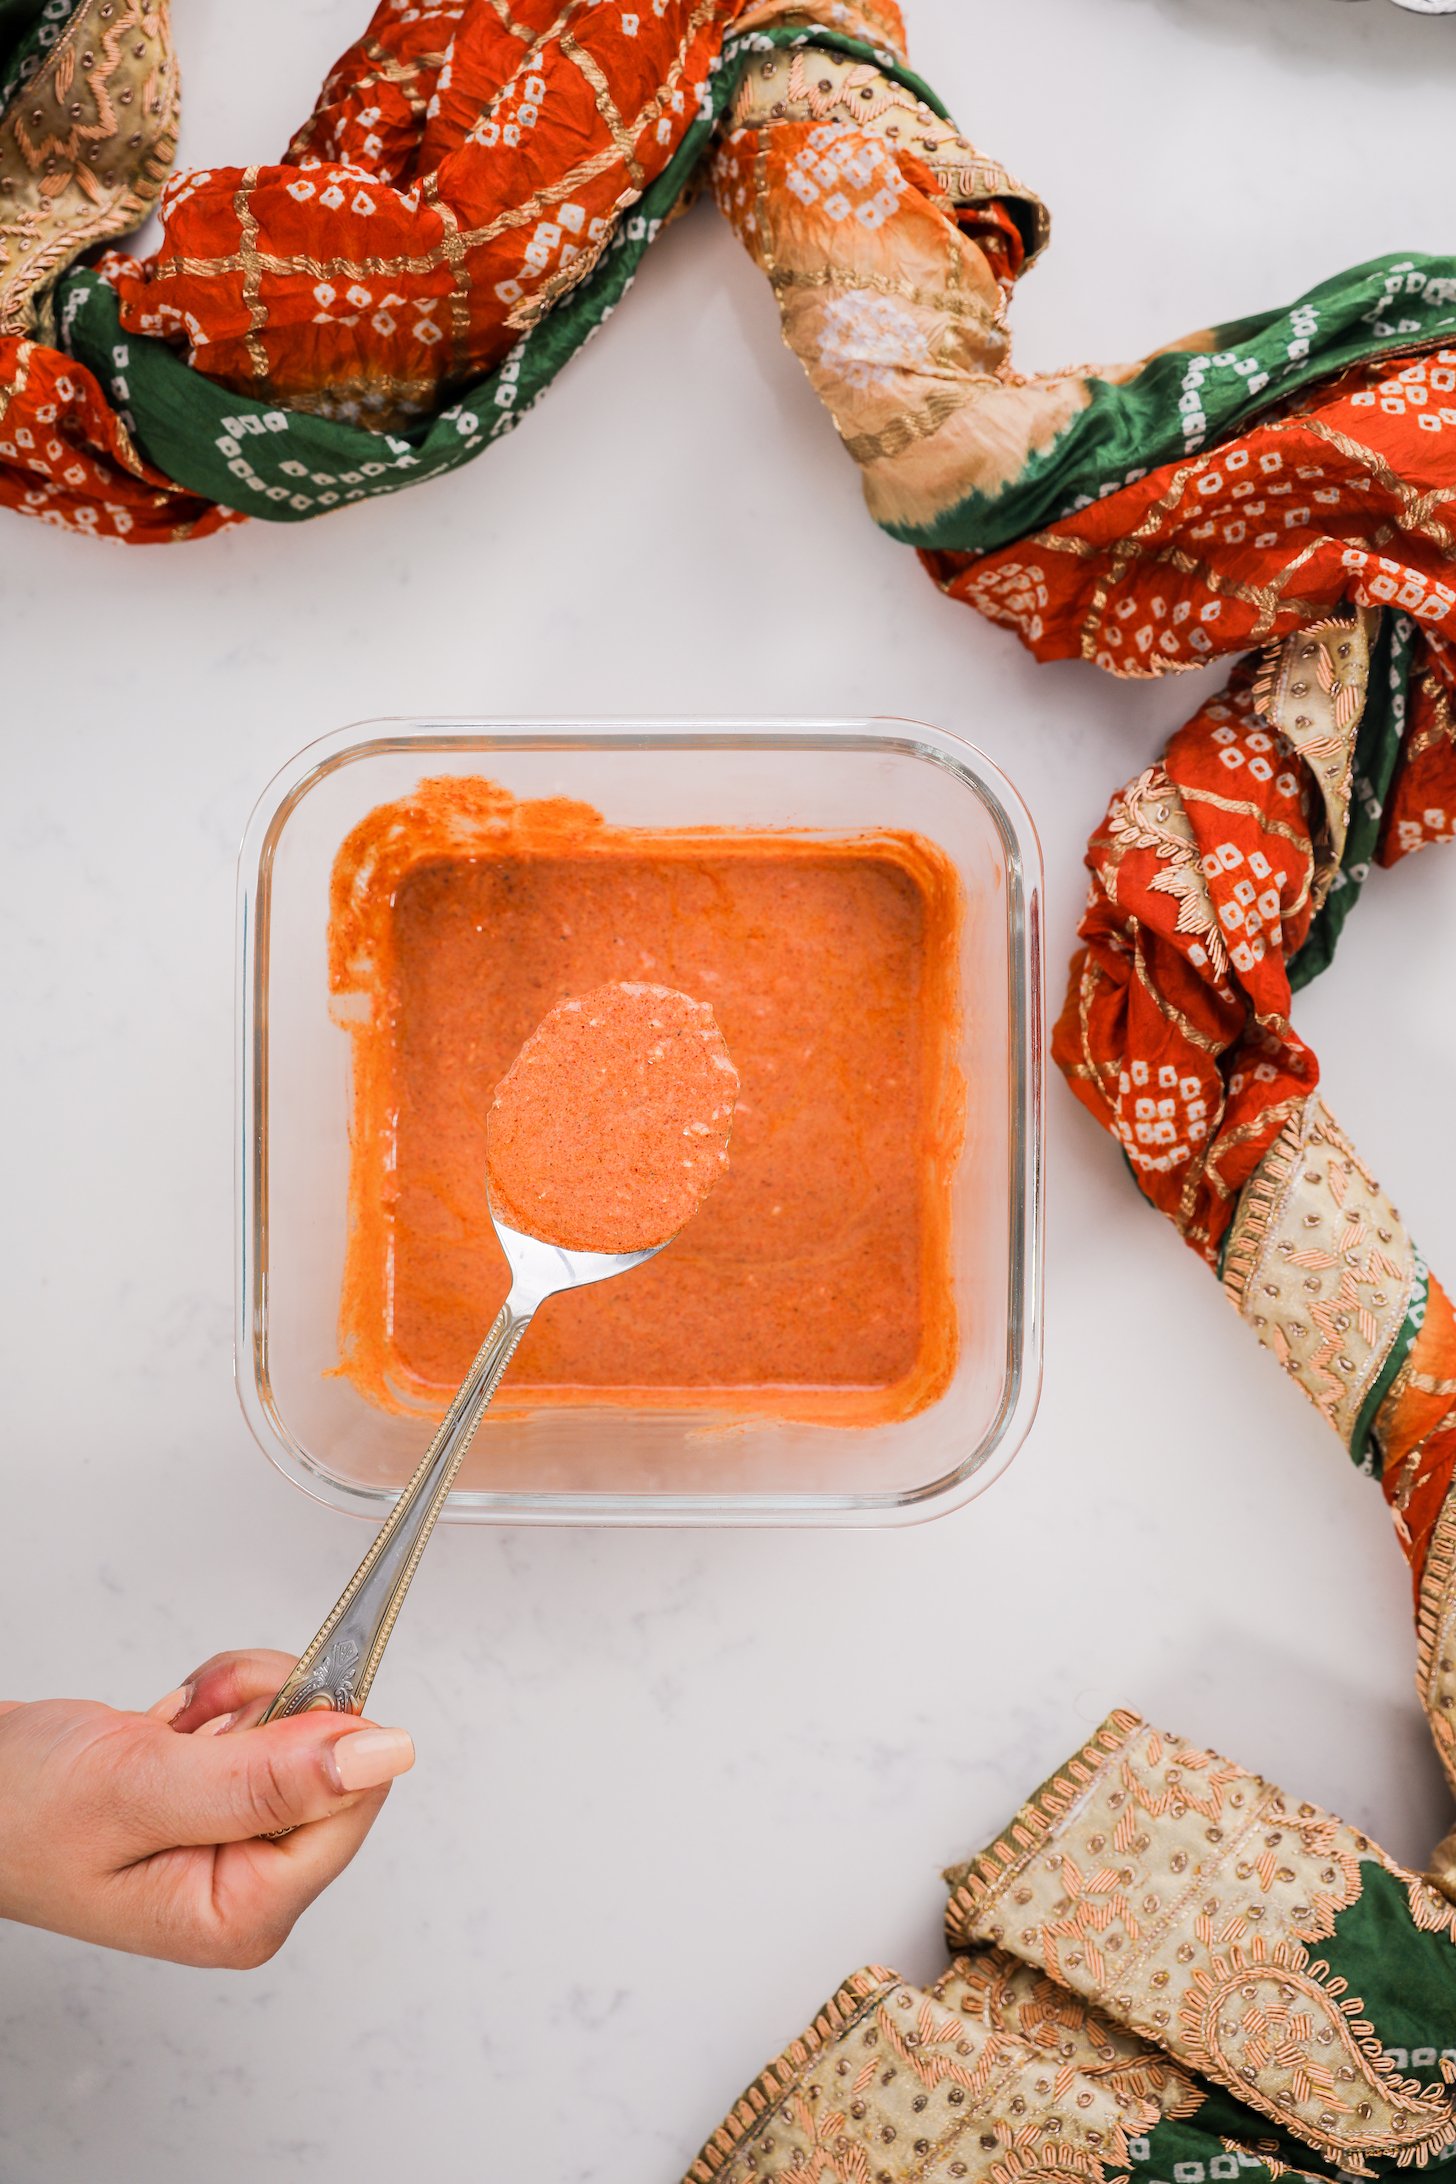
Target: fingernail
x,y
174,1703
367,1757
218,1724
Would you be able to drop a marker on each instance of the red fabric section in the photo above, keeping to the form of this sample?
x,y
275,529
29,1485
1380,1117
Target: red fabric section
x,y
67,458
1175,1032
461,170
1422,805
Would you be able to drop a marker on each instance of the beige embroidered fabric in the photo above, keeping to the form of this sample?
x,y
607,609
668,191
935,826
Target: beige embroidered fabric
x,y
1162,1968
84,151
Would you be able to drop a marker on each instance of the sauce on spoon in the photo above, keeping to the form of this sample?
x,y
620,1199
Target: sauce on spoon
x,y
611,1126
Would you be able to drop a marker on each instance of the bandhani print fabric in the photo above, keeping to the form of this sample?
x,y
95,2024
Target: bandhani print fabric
x,y
466,205
1279,491
88,127
1163,1970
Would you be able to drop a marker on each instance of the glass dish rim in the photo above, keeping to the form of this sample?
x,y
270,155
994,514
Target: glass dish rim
x,y
1021,1386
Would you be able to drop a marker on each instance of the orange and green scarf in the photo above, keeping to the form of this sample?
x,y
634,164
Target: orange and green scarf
x,y
1163,1969
467,203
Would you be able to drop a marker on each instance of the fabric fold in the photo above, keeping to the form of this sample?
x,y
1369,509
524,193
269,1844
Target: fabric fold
x,y
88,114
1212,875
1262,1944
1162,1969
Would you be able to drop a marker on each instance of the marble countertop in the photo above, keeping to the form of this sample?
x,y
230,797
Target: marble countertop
x,y
671,1786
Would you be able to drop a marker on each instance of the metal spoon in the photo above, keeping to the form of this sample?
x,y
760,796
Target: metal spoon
x,y
338,1667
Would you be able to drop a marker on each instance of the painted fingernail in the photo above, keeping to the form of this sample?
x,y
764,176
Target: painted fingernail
x,y
175,1703
367,1757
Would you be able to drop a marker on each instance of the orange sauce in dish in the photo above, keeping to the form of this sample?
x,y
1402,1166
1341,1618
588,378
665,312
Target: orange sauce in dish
x,y
815,1282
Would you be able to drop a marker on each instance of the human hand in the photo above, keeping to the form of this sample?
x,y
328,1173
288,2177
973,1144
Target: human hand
x,y
144,1831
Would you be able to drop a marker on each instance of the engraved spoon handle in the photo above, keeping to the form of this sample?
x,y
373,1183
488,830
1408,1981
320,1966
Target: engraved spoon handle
x,y
337,1668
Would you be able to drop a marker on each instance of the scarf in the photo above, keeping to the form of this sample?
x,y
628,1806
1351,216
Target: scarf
x,y
1163,1971
466,204
1163,1968
1276,491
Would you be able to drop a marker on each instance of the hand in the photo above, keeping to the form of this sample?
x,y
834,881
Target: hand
x,y
142,1831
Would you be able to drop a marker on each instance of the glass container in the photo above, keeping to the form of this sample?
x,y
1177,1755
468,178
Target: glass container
x,y
606,1464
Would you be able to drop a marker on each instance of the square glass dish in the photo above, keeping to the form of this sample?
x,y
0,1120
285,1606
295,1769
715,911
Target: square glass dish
x,y
605,1464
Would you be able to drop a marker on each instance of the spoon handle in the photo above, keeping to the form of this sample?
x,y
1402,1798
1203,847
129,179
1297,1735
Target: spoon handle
x,y
337,1668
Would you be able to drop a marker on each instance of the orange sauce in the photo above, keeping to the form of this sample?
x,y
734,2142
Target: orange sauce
x,y
814,1283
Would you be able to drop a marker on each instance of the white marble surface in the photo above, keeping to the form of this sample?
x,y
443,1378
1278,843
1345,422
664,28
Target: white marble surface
x,y
670,1787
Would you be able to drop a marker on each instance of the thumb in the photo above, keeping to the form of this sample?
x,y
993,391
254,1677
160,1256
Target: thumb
x,y
227,1789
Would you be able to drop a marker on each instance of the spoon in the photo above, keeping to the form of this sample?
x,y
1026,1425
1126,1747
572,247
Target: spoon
x,y
337,1668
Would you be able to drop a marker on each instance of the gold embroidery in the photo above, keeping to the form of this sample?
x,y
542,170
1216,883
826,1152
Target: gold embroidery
x,y
1311,690
1440,728
1399,1485
1169,1010
1436,1644
320,133
814,85
538,303
588,66
508,22
1232,1141
1320,1265
894,2082
1281,2031
1178,1892
1147,543
1093,1069
1149,815
397,398
1442,1877
84,151
1009,1996
844,2009
1246,808
453,249
905,346
951,300
1414,512
375,400
910,425
252,272
1431,1895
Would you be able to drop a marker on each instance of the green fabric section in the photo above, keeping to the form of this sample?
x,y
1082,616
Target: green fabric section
x,y
17,20
838,41
1364,1448
1377,754
1189,399
1195,2150
284,465
28,30
1405,1978
1192,2149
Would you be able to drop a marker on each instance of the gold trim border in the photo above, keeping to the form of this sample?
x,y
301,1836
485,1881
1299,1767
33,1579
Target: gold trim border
x,y
1032,1824
1435,1612
851,2001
